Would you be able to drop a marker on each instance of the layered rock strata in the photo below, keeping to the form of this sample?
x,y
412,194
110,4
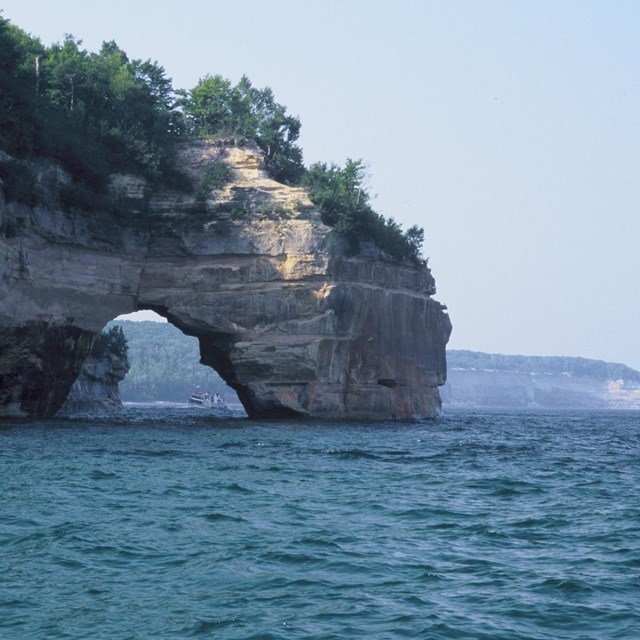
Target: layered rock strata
x,y
290,320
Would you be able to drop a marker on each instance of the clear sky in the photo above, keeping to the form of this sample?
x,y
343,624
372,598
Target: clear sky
x,y
510,130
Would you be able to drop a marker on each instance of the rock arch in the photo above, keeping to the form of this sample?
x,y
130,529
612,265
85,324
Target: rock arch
x,y
290,320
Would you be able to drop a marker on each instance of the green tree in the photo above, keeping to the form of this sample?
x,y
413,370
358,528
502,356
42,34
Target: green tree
x,y
207,107
216,107
132,110
111,341
19,127
102,113
66,74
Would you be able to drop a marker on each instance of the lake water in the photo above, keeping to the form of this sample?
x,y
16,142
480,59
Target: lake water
x,y
172,523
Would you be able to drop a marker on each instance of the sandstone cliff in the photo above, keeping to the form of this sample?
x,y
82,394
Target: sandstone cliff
x,y
290,320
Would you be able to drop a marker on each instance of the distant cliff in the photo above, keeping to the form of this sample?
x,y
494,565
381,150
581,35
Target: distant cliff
x,y
534,382
294,319
164,366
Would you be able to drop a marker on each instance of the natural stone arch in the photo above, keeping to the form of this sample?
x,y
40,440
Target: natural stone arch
x,y
290,320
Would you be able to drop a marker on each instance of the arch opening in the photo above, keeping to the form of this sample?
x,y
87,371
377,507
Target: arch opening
x,y
166,363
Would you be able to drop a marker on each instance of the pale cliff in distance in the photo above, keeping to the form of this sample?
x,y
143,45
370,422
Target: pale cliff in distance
x,y
164,367
484,380
285,312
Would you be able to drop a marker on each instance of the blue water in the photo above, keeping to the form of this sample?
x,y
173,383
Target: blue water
x,y
170,523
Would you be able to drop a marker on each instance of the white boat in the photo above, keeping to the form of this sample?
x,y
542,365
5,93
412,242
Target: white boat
x,y
205,399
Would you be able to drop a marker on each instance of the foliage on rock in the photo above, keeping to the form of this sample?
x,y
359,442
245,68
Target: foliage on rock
x,y
112,342
345,204
215,176
95,113
103,113
216,107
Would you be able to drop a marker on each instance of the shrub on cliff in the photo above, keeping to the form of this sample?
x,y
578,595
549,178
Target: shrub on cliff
x,y
102,113
96,113
345,205
18,122
216,107
112,341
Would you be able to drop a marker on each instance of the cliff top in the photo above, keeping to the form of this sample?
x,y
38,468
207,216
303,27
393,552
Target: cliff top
x,y
97,114
571,366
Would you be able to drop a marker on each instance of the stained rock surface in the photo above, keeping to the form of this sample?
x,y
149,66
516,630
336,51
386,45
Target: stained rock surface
x,y
290,320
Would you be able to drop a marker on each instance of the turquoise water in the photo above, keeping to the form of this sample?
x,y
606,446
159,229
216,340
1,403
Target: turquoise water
x,y
169,523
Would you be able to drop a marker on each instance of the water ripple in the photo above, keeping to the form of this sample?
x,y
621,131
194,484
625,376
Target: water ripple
x,y
167,523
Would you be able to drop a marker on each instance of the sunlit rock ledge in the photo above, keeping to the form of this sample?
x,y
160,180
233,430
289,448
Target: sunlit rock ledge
x,y
289,319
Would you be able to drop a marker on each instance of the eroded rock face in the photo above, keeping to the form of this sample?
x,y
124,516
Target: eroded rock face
x,y
96,388
289,319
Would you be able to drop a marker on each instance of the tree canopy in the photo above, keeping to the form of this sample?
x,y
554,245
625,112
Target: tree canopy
x,y
94,112
111,341
559,365
216,107
103,113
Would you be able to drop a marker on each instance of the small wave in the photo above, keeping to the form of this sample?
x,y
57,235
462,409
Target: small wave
x,y
234,486
215,516
444,526
69,563
427,571
319,542
289,557
18,604
504,487
233,445
205,627
154,453
97,474
268,636
353,454
566,584
436,517
65,529
530,523
166,453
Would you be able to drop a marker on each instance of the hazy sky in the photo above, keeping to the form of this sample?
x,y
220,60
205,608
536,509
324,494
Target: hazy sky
x,y
509,130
